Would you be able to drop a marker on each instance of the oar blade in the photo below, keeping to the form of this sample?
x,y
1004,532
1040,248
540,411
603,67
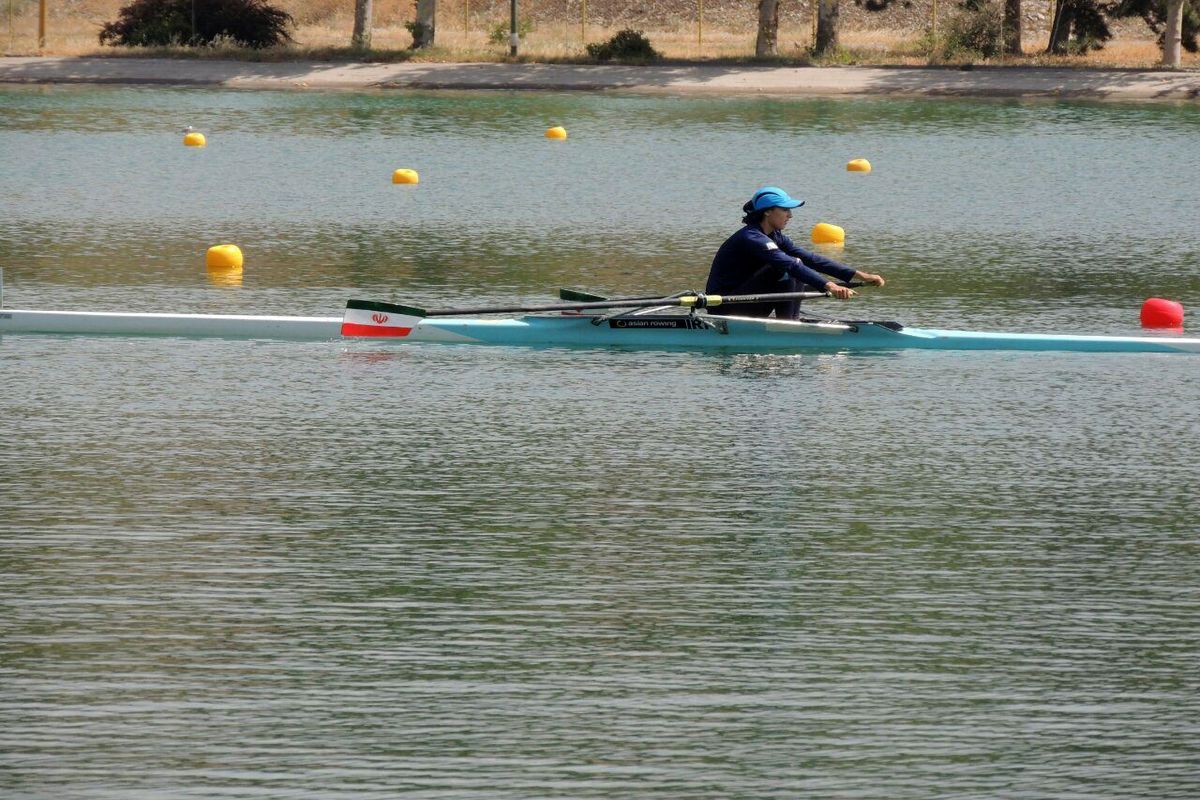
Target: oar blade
x,y
373,319
578,296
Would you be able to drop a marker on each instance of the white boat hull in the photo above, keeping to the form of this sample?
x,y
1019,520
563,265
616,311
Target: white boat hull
x,y
637,332
232,326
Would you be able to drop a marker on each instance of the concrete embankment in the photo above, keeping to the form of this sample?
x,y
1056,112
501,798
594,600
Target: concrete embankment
x,y
681,79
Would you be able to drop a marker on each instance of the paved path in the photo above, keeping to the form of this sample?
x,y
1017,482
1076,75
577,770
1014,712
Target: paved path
x,y
683,79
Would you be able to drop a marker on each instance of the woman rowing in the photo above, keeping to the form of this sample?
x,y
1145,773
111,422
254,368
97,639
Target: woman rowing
x,y
759,259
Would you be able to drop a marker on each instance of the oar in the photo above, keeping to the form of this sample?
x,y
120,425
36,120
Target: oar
x,y
577,295
698,300
375,318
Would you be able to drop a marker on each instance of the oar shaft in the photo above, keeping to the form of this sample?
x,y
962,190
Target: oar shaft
x,y
575,295
455,312
687,301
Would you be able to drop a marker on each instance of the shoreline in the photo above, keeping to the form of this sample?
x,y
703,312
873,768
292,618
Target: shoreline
x,y
920,81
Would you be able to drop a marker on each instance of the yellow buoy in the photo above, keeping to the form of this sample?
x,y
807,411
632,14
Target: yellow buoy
x,y
406,176
859,165
194,139
224,258
824,233
557,132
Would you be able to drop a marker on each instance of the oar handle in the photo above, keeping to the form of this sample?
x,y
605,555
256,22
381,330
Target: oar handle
x,y
714,300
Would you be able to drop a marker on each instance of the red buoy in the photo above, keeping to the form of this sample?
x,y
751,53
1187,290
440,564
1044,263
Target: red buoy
x,y
1160,313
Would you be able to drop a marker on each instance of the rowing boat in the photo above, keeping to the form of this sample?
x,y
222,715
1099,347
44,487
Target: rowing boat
x,y
661,331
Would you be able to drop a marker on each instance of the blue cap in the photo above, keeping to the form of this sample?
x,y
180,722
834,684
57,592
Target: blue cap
x,y
770,197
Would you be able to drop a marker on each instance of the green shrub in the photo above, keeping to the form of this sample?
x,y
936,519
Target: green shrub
x,y
974,32
157,23
626,45
502,30
417,31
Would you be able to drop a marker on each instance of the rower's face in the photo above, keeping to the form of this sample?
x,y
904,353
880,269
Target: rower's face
x,y
778,217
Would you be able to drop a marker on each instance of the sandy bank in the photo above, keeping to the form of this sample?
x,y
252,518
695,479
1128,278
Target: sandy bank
x,y
682,79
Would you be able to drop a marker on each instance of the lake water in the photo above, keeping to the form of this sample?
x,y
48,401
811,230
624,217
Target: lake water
x,y
239,569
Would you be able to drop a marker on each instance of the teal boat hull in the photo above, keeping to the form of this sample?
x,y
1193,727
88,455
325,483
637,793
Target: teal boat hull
x,y
768,335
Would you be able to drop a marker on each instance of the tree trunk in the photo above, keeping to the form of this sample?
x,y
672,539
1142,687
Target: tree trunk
x,y
1012,27
1173,34
426,21
827,20
361,38
768,28
1060,29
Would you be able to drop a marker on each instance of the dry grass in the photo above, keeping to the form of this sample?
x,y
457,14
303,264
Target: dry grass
x,y
465,28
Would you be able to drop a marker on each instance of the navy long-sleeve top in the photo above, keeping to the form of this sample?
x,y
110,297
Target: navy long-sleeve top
x,y
749,250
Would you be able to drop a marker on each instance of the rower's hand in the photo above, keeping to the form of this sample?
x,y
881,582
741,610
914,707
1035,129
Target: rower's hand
x,y
870,277
839,291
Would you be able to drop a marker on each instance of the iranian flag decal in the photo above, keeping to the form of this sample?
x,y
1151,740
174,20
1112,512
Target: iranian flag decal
x,y
370,318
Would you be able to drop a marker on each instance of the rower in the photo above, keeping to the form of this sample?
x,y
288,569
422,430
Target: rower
x,y
759,259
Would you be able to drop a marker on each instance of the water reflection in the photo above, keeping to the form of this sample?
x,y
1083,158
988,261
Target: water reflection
x,y
225,278
514,114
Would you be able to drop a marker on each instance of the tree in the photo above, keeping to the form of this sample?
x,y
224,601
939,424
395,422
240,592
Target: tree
x,y
1078,26
1173,34
827,20
1177,23
361,38
1012,27
768,28
423,28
